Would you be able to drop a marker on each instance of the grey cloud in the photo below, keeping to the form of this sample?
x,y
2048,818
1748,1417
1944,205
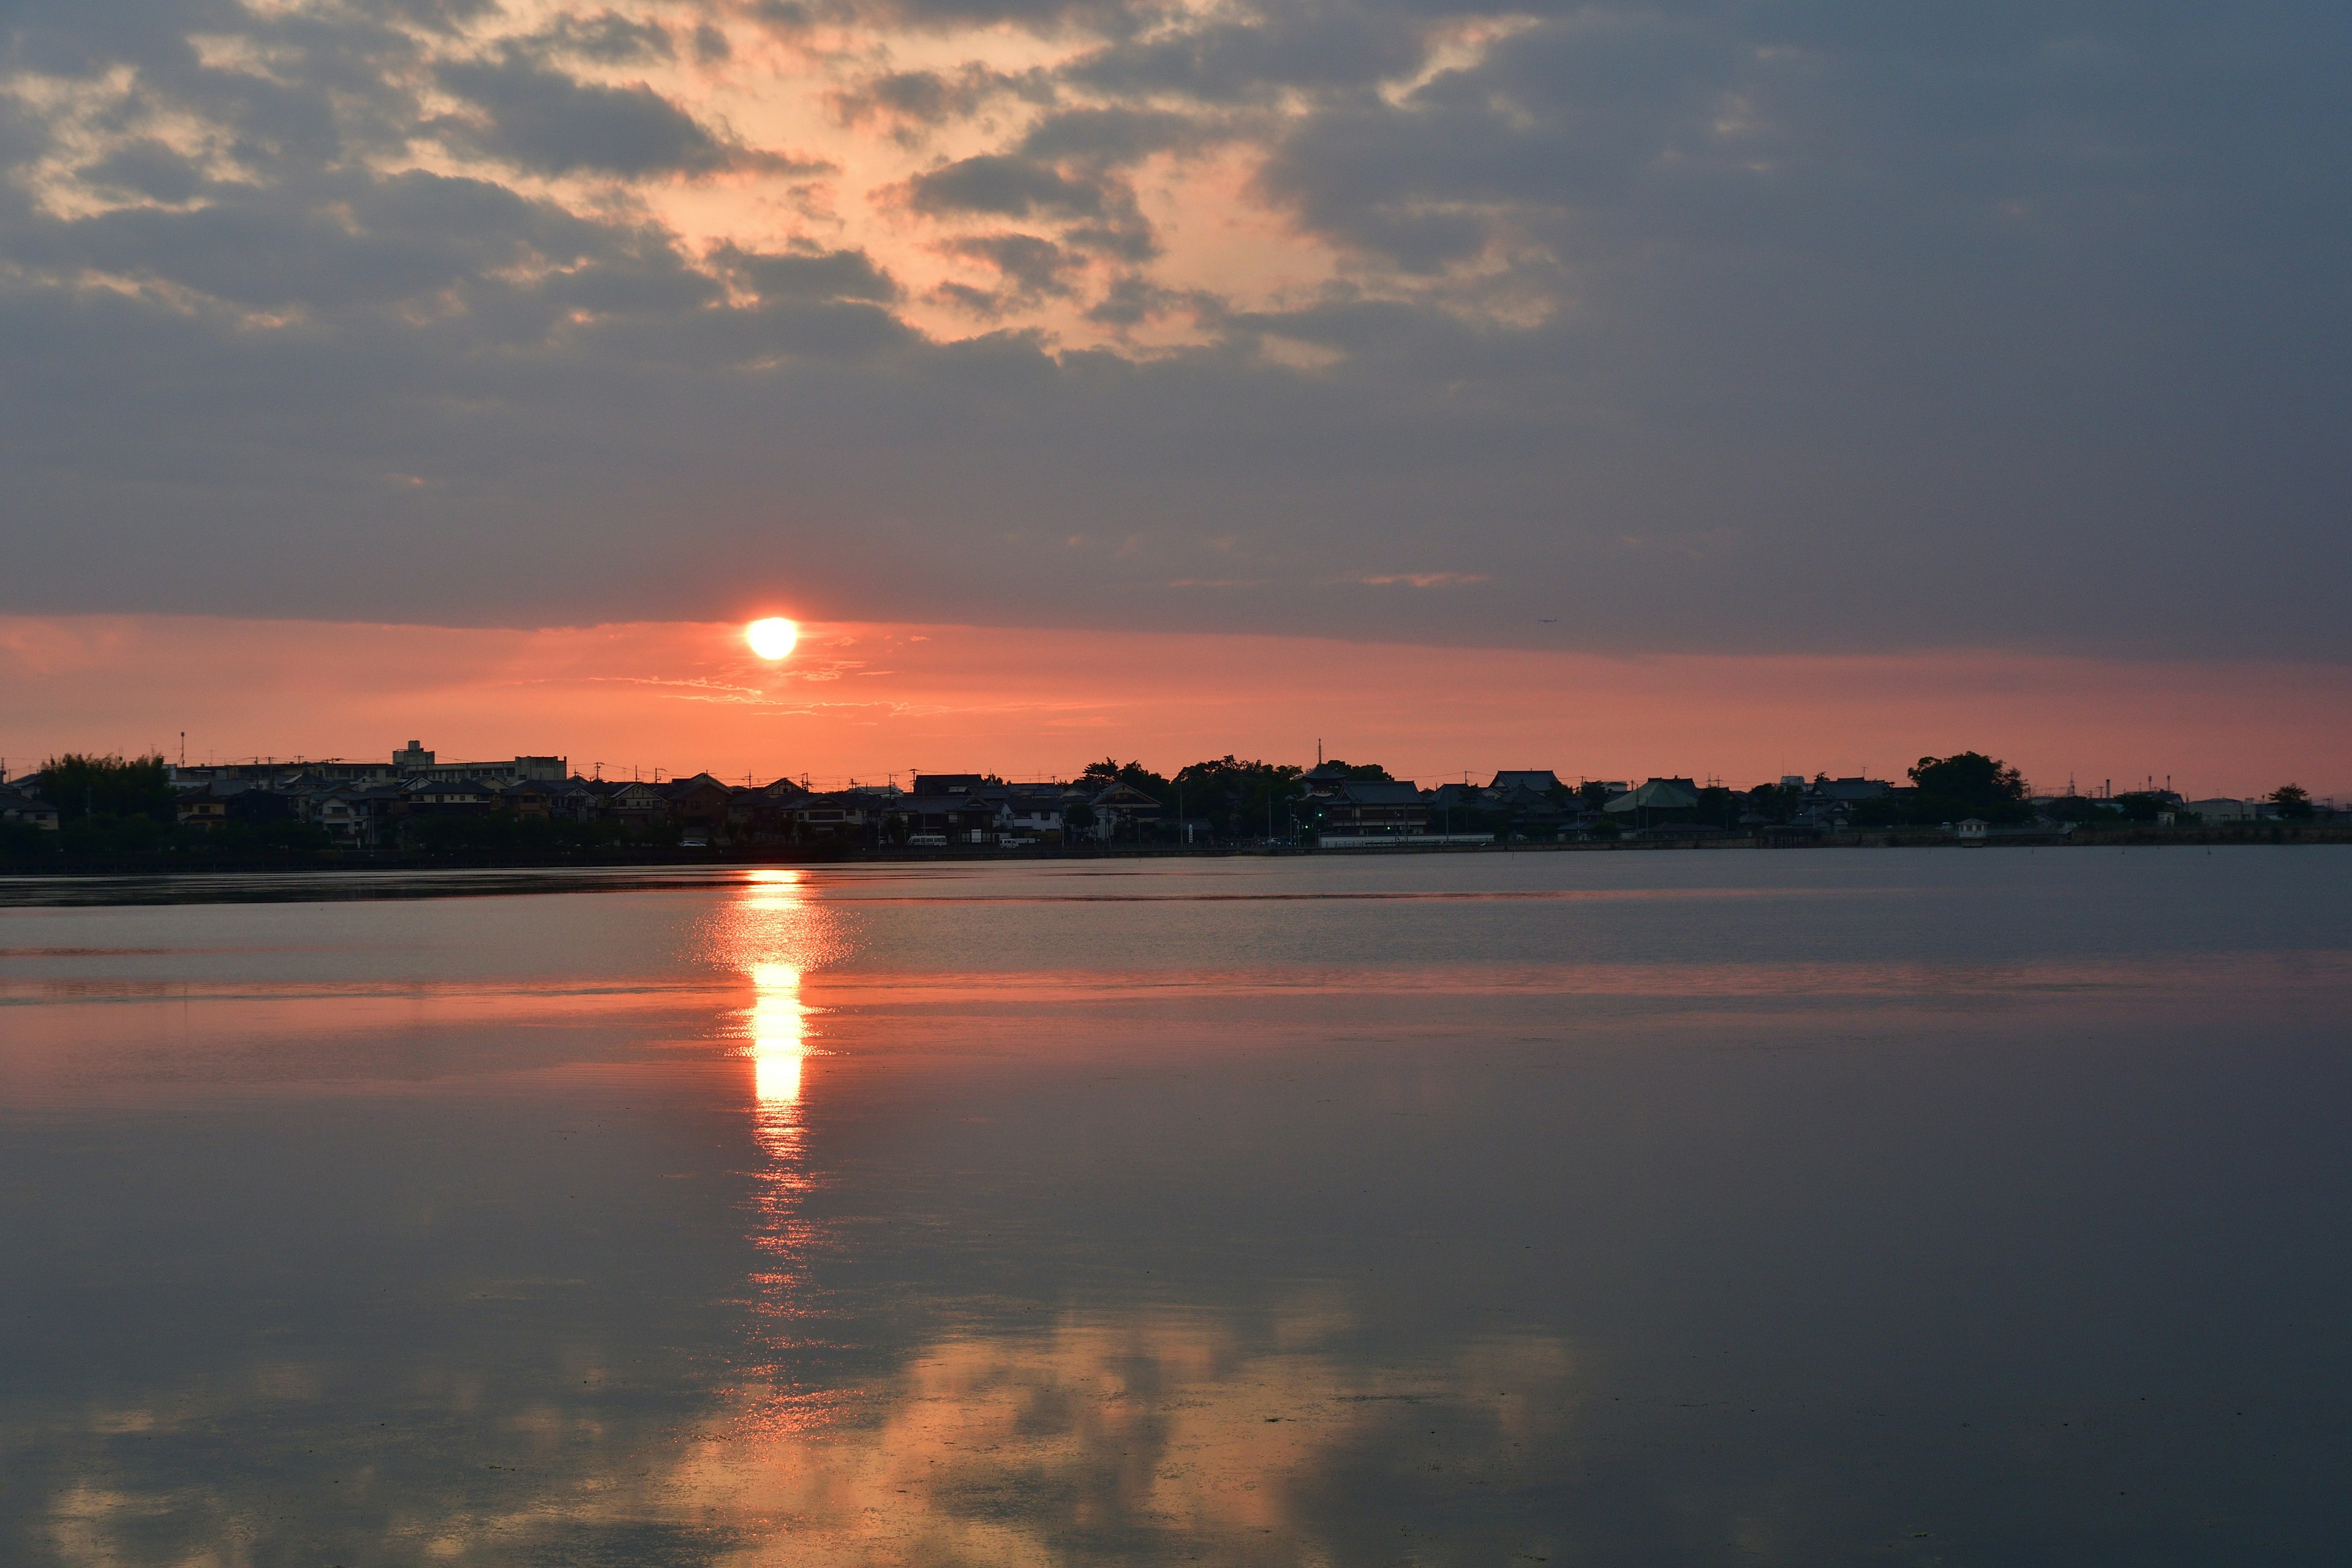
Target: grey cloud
x,y
1130,300
1006,186
1032,267
383,242
1114,136
816,275
1317,48
2004,325
931,97
547,121
610,37
1101,212
146,168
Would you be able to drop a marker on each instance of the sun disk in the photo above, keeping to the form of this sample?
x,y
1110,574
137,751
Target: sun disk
x,y
772,638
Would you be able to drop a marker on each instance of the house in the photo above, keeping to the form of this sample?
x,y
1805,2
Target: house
x,y
224,800
360,814
1029,817
1829,803
765,811
1659,800
1970,829
1464,808
954,784
1122,806
2221,809
433,797
1537,780
26,809
836,816
698,805
1530,812
574,799
1323,779
630,802
1370,807
963,817
529,799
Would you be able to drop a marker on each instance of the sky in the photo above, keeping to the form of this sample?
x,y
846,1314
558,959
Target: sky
x,y
1503,349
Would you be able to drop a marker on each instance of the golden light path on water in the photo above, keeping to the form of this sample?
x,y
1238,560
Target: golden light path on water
x,y
778,1042
772,933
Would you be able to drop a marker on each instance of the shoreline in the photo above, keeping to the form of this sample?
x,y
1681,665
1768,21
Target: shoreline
x,y
416,877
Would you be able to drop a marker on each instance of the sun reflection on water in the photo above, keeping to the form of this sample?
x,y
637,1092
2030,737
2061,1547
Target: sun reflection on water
x,y
772,931
777,1024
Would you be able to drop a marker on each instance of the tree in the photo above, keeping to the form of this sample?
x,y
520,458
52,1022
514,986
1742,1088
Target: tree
x,y
1134,775
1369,772
1594,794
1774,804
1967,783
2294,802
1240,799
23,841
82,786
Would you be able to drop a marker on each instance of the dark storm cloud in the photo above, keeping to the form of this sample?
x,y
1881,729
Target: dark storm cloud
x,y
1722,326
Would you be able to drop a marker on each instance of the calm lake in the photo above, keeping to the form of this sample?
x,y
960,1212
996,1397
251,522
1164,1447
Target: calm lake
x,y
1820,1208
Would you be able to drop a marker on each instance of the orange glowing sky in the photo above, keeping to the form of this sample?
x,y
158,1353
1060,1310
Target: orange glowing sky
x,y
866,701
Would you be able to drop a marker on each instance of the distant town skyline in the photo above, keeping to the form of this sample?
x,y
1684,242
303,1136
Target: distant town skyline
x,y
866,701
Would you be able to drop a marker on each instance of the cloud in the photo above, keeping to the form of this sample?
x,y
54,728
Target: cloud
x,y
810,275
1418,579
549,122
1004,186
2008,329
1030,267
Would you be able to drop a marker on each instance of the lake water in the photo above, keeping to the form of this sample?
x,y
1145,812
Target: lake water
x,y
1810,1209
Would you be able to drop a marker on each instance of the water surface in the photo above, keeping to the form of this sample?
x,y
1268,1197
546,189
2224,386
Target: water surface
x,y
1934,1208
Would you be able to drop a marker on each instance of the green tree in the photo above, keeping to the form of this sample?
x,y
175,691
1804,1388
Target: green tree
x,y
1240,799
80,786
2294,802
1592,794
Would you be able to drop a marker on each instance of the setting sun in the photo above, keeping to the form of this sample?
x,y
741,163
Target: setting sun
x,y
772,638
